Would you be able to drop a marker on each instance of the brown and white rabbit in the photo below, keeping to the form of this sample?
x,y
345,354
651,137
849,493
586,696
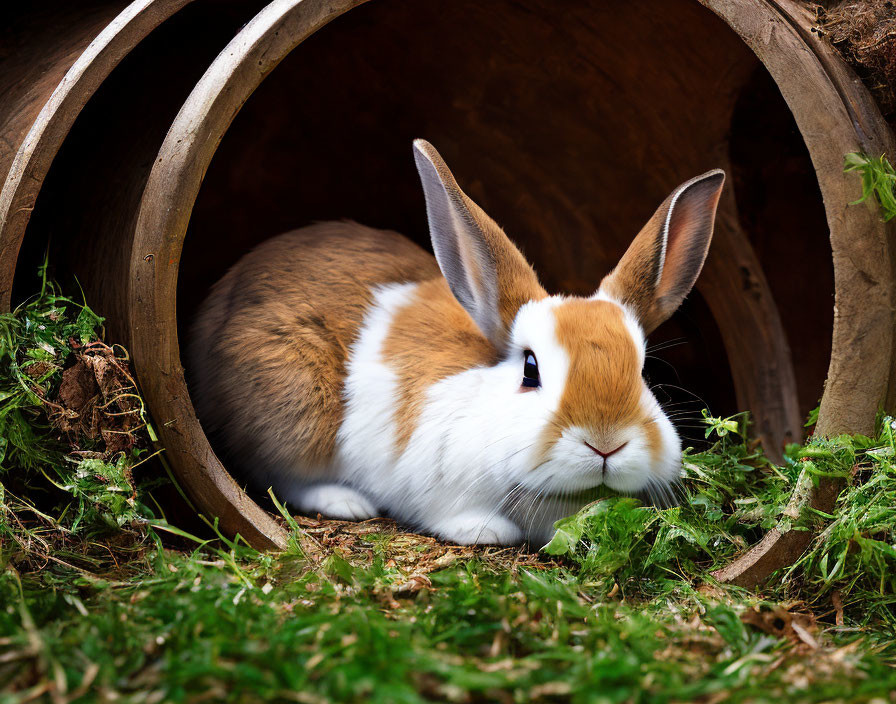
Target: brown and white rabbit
x,y
337,364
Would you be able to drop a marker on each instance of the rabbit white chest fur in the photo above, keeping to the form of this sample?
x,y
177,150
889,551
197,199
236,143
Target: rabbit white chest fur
x,y
336,365
453,471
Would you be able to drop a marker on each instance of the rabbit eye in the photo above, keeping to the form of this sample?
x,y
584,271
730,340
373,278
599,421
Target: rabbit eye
x,y
531,378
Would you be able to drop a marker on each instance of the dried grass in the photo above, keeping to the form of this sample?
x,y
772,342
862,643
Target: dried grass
x,y
864,32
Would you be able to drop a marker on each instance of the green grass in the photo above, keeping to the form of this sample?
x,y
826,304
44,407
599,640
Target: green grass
x,y
189,627
102,599
878,180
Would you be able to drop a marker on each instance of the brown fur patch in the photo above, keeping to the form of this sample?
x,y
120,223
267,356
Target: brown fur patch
x,y
604,385
270,345
654,439
430,338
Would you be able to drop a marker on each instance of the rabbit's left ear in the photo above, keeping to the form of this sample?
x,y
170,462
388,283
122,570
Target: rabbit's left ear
x,y
661,265
487,274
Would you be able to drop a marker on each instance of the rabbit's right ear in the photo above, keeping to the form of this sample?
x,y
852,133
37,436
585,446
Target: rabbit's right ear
x,y
487,274
662,263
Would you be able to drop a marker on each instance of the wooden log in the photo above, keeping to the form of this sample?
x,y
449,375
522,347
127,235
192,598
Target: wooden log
x,y
568,127
87,204
763,372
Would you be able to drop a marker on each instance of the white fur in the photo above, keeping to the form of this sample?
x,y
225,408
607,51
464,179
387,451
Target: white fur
x,y
365,438
667,467
336,501
470,472
474,440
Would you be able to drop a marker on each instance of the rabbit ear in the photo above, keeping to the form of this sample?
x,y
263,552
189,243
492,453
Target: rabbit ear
x,y
661,265
487,274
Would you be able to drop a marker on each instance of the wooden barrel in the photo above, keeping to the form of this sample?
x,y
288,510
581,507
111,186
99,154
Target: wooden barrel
x,y
569,125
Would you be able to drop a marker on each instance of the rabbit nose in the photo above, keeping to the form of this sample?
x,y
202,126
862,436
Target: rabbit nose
x,y
605,455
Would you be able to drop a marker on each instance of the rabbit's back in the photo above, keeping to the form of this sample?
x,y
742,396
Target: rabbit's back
x,y
268,351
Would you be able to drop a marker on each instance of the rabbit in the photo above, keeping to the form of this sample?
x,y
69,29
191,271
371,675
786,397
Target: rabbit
x,y
358,375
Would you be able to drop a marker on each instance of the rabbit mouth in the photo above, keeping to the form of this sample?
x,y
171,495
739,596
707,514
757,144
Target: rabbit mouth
x,y
605,455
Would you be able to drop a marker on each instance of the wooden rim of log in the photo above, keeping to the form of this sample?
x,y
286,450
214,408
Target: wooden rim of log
x,y
834,114
161,226
58,113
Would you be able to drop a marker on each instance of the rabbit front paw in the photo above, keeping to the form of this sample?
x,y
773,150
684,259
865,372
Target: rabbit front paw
x,y
480,528
336,501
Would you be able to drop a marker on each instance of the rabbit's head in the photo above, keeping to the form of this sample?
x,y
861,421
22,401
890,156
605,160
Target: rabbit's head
x,y
569,384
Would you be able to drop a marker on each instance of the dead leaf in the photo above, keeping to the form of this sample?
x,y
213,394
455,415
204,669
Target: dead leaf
x,y
78,387
412,585
550,689
97,400
837,601
798,627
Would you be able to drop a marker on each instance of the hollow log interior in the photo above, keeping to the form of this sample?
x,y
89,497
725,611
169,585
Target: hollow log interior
x,y
38,44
